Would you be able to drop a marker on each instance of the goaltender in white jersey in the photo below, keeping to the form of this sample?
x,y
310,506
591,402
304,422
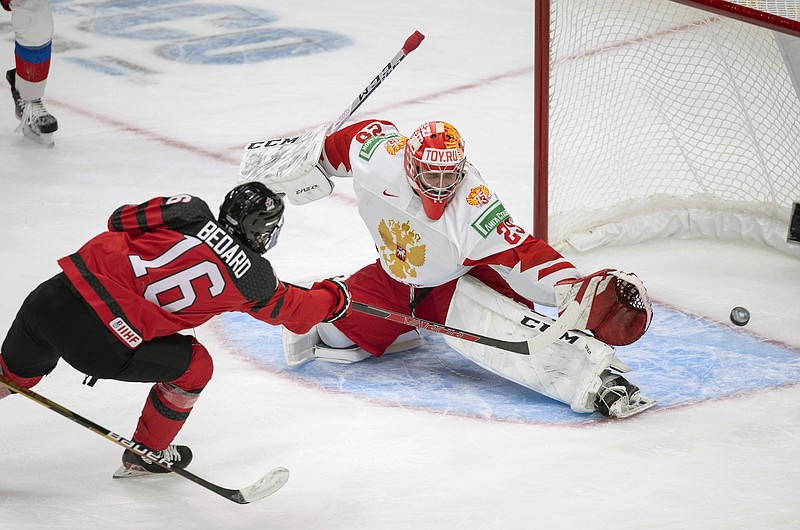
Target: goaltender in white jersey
x,y
450,252
423,252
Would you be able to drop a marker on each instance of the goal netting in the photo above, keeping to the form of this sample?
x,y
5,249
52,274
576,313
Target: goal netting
x,y
663,119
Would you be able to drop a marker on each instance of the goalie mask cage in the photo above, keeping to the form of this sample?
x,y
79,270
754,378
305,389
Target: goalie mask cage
x,y
659,118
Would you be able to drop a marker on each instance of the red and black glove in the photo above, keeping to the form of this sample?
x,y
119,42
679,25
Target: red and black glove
x,y
338,287
6,4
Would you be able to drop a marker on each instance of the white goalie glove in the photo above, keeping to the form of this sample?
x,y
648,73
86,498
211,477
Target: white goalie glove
x,y
289,166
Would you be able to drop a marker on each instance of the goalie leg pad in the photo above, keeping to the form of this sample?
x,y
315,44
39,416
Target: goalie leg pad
x,y
299,348
327,343
568,370
354,354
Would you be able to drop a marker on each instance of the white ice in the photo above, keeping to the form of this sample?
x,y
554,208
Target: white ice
x,y
170,127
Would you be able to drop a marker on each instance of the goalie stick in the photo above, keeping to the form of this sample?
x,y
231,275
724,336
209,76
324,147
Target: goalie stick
x,y
549,333
264,487
290,166
411,44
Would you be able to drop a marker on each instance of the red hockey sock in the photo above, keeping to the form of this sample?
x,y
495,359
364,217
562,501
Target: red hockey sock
x,y
26,382
168,405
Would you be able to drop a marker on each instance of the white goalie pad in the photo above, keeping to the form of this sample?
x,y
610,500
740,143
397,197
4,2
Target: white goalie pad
x,y
289,166
568,370
299,349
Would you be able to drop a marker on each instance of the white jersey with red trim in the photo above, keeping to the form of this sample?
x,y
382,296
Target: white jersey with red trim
x,y
475,229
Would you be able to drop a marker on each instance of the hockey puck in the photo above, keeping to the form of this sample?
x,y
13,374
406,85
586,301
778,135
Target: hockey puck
x,y
740,316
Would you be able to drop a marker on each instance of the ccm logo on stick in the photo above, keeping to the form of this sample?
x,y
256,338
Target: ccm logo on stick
x,y
542,327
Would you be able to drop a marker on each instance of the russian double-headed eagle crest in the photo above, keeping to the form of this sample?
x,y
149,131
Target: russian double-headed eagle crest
x,y
395,145
401,250
479,196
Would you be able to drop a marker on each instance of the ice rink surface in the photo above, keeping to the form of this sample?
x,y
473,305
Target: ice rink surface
x,y
158,98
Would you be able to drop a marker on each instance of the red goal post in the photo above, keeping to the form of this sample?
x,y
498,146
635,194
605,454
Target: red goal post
x,y
657,118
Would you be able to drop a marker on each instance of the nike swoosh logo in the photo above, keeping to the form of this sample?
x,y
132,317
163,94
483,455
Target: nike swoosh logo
x,y
389,194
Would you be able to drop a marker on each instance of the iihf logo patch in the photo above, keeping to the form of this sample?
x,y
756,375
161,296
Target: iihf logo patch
x,y
124,332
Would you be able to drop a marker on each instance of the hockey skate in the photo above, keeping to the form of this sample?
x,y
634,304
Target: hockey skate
x,y
618,398
136,465
36,123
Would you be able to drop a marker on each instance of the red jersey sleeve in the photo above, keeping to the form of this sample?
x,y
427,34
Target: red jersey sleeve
x,y
135,219
336,153
296,308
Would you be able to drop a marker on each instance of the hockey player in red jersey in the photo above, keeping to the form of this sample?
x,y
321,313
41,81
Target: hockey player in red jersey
x,y
117,308
450,252
32,21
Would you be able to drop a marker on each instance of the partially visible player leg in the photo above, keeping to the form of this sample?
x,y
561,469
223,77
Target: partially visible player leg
x,y
26,354
32,21
185,367
27,382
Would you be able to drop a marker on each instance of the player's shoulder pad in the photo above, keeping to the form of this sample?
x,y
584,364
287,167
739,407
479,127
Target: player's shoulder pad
x,y
183,209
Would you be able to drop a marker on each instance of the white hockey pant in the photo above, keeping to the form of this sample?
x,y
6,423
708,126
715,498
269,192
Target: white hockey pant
x,y
568,370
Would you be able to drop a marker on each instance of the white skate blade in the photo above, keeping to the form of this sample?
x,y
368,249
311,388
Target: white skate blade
x,y
41,139
626,411
135,471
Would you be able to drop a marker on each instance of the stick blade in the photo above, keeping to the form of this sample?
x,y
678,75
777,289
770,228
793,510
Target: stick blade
x,y
266,486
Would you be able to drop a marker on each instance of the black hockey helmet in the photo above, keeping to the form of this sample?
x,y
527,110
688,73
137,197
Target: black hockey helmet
x,y
253,213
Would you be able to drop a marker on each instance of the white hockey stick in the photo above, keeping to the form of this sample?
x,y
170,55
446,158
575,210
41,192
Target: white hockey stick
x,y
548,332
410,45
289,166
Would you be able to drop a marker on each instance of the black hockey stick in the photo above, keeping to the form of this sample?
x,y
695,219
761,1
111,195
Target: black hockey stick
x,y
549,332
410,45
264,487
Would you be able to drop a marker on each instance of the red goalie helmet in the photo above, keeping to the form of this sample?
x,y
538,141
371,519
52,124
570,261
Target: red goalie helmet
x,y
434,162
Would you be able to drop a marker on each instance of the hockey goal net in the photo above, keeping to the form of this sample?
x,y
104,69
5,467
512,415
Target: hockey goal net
x,y
661,118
